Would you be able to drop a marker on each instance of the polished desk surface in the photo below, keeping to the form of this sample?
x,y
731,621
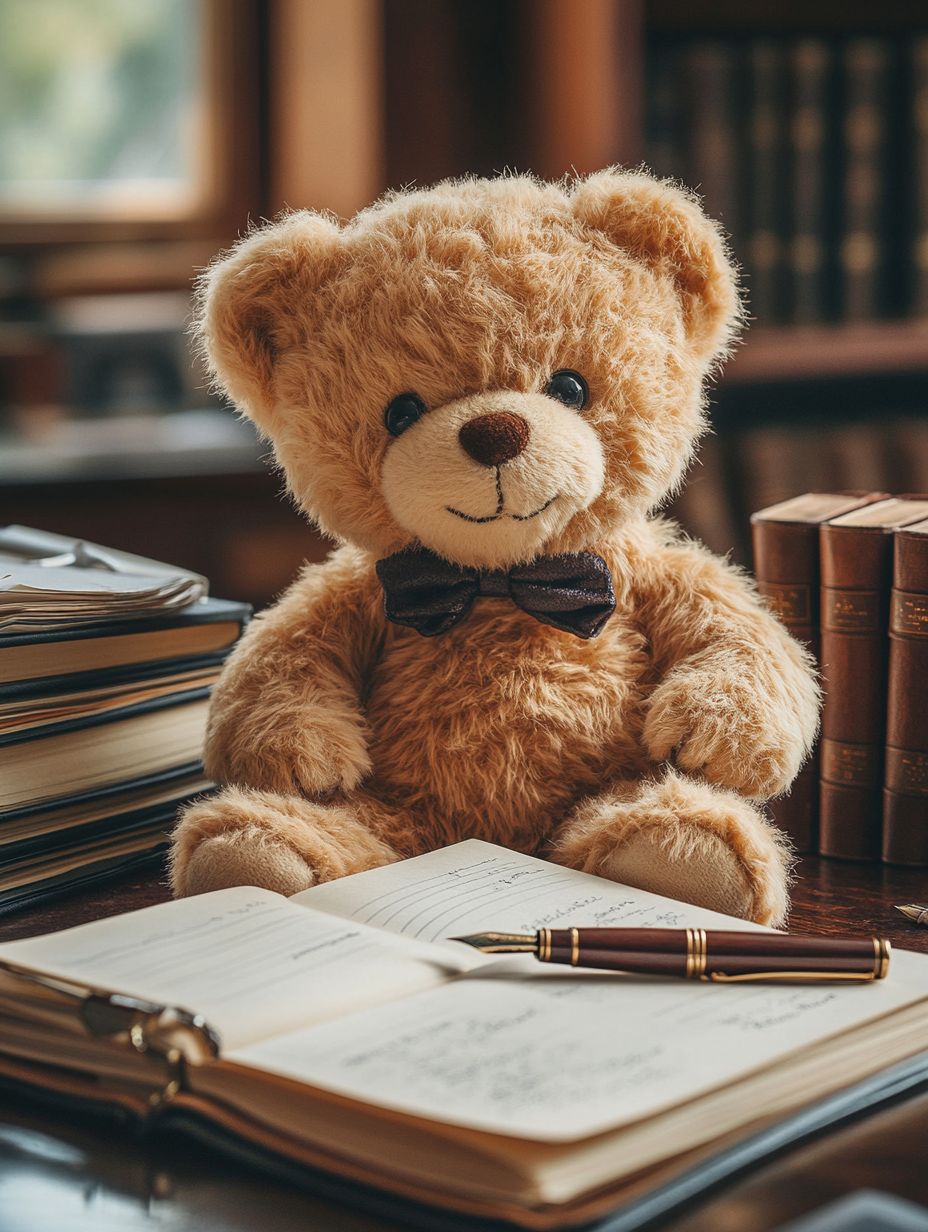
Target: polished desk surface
x,y
78,1175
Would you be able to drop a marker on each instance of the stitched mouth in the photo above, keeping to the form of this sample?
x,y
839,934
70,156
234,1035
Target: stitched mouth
x,y
498,511
495,517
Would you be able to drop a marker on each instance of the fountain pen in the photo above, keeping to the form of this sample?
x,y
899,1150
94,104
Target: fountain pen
x,y
718,956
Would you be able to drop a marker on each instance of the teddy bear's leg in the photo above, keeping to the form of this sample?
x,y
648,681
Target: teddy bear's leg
x,y
683,838
283,843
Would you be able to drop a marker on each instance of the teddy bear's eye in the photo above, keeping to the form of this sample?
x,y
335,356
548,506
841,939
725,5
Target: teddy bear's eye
x,y
568,387
403,412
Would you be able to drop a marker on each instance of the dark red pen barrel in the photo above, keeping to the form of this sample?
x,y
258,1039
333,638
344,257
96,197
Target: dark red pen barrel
x,y
714,954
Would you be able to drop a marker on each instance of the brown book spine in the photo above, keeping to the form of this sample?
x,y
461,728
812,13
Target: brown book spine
x,y
856,565
920,161
810,70
786,567
867,82
905,794
710,67
767,179
785,540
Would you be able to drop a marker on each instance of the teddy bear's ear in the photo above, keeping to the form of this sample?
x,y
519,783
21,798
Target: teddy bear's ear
x,y
664,226
245,304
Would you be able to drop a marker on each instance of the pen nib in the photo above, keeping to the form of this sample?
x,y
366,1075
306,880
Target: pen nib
x,y
500,943
913,911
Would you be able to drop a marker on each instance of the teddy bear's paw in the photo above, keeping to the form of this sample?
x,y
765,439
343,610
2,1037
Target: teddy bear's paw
x,y
722,729
709,875
315,756
245,857
686,840
330,757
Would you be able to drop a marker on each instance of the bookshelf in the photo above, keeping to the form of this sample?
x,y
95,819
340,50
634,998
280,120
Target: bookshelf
x,y
817,351
578,95
827,388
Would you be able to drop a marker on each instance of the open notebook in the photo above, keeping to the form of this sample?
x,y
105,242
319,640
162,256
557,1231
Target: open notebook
x,y
340,1029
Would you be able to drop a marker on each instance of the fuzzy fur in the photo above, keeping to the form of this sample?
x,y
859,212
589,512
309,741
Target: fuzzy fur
x,y
347,741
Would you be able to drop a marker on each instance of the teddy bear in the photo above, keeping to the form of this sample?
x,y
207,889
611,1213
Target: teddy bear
x,y
483,392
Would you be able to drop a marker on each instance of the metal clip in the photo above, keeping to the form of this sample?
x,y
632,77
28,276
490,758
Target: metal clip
x,y
848,977
169,1034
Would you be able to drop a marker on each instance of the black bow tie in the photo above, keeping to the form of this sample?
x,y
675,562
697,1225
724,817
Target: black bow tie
x,y
572,591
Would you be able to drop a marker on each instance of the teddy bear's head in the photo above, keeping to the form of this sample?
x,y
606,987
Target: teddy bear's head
x,y
490,368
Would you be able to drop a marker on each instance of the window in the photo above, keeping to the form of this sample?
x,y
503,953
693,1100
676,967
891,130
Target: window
x,y
103,112
138,115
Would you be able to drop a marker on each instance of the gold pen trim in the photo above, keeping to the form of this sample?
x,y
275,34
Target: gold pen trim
x,y
697,953
574,947
886,950
544,944
702,953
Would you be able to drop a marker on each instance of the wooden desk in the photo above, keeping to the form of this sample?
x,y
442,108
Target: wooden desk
x,y
90,1178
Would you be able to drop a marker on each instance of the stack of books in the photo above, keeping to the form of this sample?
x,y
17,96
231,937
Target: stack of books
x,y
848,575
813,151
106,666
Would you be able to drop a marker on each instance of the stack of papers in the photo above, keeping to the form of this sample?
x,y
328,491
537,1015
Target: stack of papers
x,y
49,582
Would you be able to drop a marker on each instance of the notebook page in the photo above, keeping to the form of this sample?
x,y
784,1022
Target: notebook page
x,y
476,886
516,1047
533,1054
251,962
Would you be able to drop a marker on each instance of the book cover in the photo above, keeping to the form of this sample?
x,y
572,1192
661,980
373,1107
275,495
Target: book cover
x,y
905,792
31,839
200,629
810,70
66,759
919,71
786,564
866,145
711,68
66,844
856,574
767,180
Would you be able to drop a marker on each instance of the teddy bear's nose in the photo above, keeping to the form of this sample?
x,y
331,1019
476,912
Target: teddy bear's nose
x,y
494,439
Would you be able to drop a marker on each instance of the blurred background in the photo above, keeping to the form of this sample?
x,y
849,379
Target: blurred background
x,y
138,137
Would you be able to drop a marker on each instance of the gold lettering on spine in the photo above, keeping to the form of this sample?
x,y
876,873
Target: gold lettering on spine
x,y
909,614
856,764
853,611
906,770
793,604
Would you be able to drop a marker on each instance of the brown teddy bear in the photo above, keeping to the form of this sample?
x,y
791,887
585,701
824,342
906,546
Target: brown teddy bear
x,y
481,391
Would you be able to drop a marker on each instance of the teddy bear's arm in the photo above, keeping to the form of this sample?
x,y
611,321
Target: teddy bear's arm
x,y
286,715
737,699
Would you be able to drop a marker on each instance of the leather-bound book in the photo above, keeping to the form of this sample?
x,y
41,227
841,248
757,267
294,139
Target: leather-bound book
x,y
919,52
857,569
866,196
905,793
811,71
785,542
767,178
